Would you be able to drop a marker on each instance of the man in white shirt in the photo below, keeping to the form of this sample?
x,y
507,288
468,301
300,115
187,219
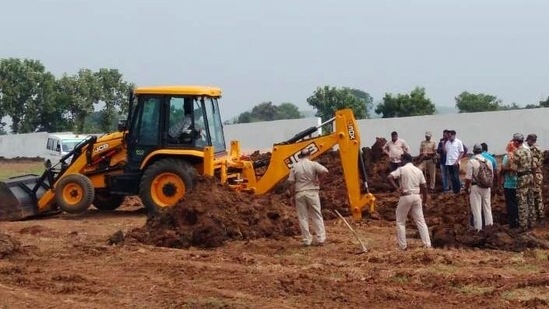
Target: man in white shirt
x,y
454,152
413,192
394,149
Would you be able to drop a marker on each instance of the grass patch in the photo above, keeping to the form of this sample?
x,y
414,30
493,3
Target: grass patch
x,y
210,302
474,290
10,169
527,293
526,268
400,278
443,269
540,255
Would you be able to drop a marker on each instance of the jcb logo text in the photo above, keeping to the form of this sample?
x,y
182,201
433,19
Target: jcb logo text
x,y
293,159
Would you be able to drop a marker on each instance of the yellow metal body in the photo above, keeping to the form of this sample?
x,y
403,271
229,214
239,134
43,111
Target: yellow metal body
x,y
108,156
346,136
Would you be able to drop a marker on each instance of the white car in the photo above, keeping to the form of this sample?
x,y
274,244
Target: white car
x,y
58,145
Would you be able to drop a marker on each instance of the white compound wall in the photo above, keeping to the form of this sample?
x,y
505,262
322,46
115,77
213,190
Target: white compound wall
x,y
493,128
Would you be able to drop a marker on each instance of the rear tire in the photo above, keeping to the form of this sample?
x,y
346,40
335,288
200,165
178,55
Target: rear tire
x,y
107,202
74,193
165,183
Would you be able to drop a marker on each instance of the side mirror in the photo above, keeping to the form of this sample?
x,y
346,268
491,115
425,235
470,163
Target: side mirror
x,y
47,164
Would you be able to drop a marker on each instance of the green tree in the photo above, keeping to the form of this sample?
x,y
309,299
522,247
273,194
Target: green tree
x,y
544,103
83,90
267,111
531,106
245,117
327,100
366,97
404,105
25,87
513,106
288,111
45,112
477,102
114,94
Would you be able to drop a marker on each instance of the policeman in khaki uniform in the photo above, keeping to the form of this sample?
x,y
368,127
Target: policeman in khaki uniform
x,y
413,192
537,165
304,177
427,152
522,162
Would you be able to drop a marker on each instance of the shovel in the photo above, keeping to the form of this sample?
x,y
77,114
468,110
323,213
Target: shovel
x,y
352,230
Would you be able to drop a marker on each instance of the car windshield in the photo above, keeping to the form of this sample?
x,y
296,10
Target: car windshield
x,y
69,145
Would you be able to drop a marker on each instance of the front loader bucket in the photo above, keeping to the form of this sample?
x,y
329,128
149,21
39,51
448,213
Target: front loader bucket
x,y
19,196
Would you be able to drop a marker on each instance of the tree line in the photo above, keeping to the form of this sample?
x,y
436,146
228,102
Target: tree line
x,y
327,99
93,101
35,100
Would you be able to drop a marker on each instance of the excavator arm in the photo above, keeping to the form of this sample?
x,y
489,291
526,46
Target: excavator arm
x,y
345,136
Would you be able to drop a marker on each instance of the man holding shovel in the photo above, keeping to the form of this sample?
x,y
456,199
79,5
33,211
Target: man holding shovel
x,y
413,192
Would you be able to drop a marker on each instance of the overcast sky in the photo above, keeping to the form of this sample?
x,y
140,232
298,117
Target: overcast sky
x,y
281,50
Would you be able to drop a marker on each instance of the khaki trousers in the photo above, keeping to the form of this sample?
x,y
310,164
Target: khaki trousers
x,y
308,206
480,199
411,204
429,167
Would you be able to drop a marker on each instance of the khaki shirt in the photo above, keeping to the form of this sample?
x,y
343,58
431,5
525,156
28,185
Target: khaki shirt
x,y
305,173
427,148
411,178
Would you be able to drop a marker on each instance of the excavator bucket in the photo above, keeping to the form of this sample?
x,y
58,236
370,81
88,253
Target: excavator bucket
x,y
19,196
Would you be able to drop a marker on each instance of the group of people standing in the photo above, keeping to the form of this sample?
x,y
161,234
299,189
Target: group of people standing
x,y
520,176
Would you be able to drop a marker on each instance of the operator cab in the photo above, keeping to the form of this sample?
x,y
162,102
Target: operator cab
x,y
183,117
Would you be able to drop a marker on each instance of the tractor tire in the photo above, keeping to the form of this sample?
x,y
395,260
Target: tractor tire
x,y
165,183
107,202
74,193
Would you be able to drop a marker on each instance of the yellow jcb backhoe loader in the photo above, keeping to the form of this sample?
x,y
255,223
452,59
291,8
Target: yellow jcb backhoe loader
x,y
171,134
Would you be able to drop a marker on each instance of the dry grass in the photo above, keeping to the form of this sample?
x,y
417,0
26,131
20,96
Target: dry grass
x,y
16,168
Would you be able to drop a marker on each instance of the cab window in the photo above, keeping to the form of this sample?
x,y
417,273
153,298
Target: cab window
x,y
148,122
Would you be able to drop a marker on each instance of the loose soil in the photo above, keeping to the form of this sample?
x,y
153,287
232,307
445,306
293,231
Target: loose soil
x,y
245,252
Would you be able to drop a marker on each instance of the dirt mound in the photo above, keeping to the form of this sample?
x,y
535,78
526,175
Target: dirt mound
x,y
208,220
8,245
212,213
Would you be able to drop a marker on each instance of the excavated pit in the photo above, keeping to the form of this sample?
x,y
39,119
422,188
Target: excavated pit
x,y
212,214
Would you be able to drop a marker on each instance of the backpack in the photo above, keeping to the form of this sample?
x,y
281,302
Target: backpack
x,y
485,176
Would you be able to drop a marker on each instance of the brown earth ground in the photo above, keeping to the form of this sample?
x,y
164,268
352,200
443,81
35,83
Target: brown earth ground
x,y
245,252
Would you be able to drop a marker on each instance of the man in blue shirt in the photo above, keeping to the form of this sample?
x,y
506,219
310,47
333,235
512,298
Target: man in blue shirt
x,y
488,155
509,177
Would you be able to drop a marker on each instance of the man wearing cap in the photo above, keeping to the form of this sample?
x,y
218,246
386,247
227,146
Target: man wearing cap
x,y
479,198
537,165
413,192
394,149
427,152
522,162
304,177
